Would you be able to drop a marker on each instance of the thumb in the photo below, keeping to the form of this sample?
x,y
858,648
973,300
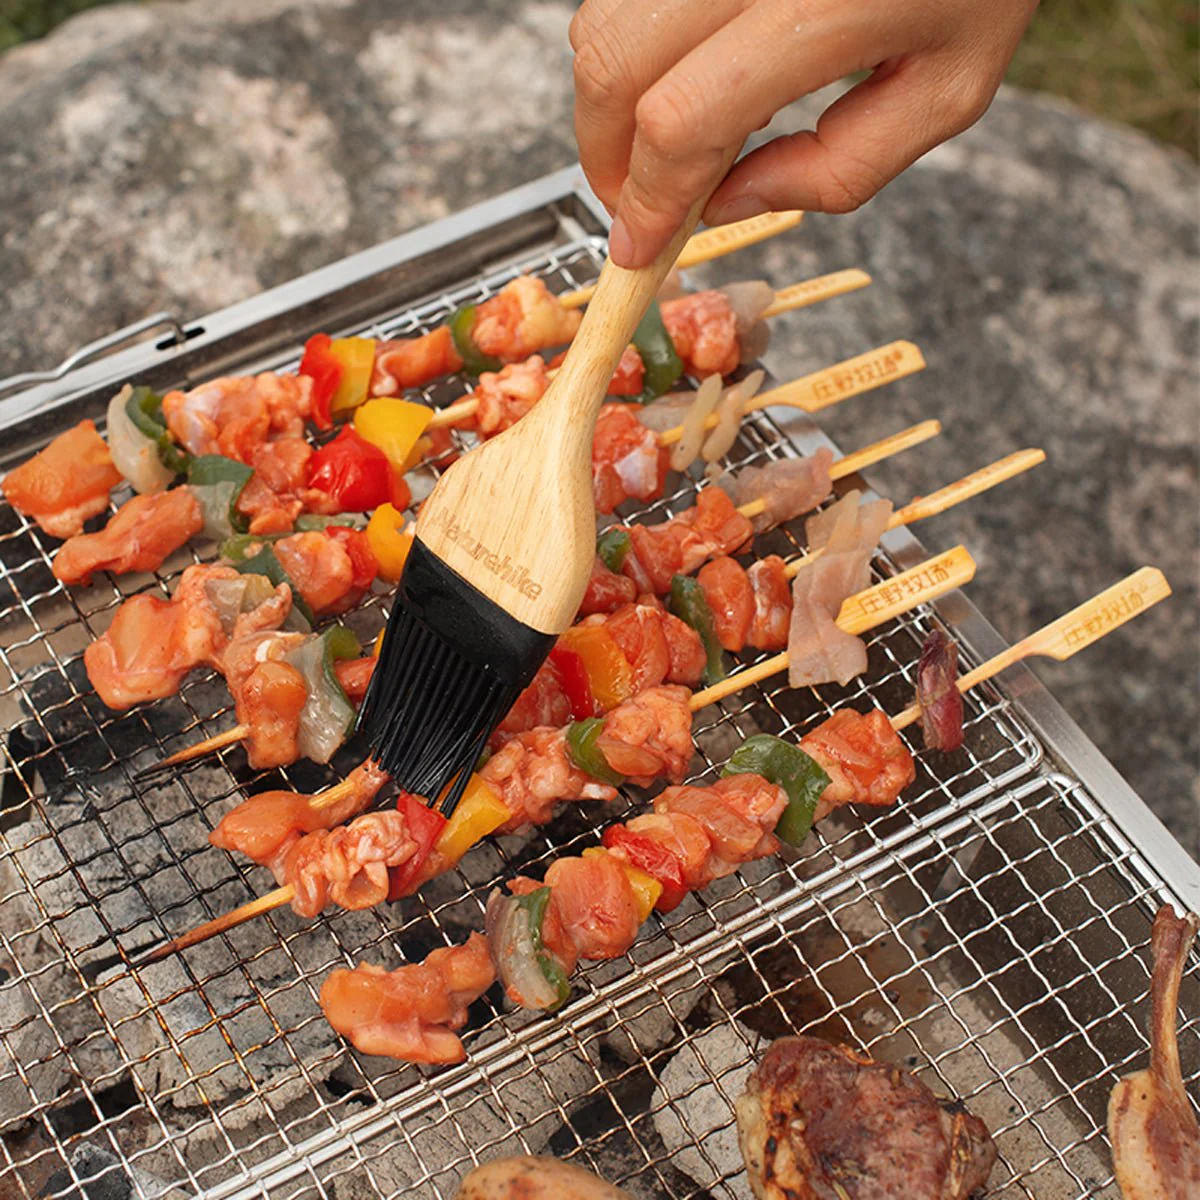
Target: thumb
x,y
862,142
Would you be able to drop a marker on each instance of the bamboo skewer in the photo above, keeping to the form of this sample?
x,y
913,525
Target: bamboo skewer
x,y
711,243
859,460
799,295
868,609
1072,632
1061,639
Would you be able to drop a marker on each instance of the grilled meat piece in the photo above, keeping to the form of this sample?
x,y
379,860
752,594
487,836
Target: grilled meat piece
x,y
822,1122
525,1177
1151,1122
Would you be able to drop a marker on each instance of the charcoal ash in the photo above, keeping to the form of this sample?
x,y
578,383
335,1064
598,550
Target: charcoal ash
x,y
95,1174
693,1107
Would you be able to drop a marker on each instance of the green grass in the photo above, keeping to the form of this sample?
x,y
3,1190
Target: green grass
x,y
1136,61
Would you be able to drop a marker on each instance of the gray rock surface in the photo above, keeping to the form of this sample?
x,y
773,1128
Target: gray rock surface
x,y
186,155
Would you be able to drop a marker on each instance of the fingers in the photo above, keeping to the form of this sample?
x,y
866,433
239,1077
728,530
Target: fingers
x,y
862,142
687,123
621,48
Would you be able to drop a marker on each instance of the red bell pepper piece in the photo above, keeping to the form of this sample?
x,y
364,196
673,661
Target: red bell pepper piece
x,y
652,857
572,674
426,825
362,558
357,474
326,373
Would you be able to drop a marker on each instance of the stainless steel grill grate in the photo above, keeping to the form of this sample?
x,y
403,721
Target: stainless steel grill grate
x,y
991,933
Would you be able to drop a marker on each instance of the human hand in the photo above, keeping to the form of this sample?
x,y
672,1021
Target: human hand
x,y
666,89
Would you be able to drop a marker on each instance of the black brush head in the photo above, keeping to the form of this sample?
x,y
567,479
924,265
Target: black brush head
x,y
452,664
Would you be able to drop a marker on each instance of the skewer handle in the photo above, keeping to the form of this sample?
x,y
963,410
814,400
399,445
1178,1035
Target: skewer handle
x,y
886,447
813,291
1072,632
217,742
966,487
830,385
709,244
222,924
922,584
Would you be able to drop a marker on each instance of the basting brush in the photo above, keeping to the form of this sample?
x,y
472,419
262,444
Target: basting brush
x,y
503,550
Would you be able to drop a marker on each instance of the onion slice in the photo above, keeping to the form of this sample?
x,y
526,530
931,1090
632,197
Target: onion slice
x,y
133,453
938,695
730,411
685,450
515,954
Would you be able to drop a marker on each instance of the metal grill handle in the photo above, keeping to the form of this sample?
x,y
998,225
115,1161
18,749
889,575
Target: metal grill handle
x,y
94,350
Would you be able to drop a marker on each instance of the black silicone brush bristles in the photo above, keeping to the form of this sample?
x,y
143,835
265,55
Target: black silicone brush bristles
x,y
452,664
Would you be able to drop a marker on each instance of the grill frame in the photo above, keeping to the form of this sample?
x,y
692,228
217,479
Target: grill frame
x,y
402,283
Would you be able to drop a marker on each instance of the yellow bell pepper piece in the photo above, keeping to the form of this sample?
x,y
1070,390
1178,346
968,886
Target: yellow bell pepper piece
x,y
375,649
395,426
479,812
610,676
356,357
390,542
646,889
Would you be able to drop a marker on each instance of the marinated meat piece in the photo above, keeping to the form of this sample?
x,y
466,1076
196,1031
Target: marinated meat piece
x,y
534,772
139,537
846,535
348,865
152,644
412,362
63,485
505,396
818,1121
649,736
938,695
737,815
1151,1122
703,327
278,492
233,416
711,527
730,596
529,1178
266,826
523,318
606,590
627,460
414,1012
789,487
354,675
772,603
594,901
543,702
863,756
268,694
321,568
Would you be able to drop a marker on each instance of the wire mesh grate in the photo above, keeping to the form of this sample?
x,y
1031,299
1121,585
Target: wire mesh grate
x,y
989,932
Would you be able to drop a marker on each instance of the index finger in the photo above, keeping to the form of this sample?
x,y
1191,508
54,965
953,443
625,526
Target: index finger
x,y
616,62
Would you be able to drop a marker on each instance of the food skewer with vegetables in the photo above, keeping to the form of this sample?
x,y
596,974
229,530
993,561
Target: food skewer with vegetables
x,y
70,480
591,907
558,688
646,737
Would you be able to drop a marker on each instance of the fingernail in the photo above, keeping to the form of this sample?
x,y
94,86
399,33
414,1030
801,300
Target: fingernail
x,y
620,244
740,208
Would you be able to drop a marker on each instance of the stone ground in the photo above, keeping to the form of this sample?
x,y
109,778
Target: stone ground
x,y
186,155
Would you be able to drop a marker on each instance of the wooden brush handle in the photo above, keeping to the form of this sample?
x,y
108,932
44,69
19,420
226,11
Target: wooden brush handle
x,y
515,517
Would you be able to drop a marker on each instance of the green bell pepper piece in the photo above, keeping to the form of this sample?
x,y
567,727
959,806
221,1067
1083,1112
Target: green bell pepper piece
x,y
534,904
581,744
785,764
217,484
688,602
663,365
266,563
462,330
144,409
316,522
612,548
